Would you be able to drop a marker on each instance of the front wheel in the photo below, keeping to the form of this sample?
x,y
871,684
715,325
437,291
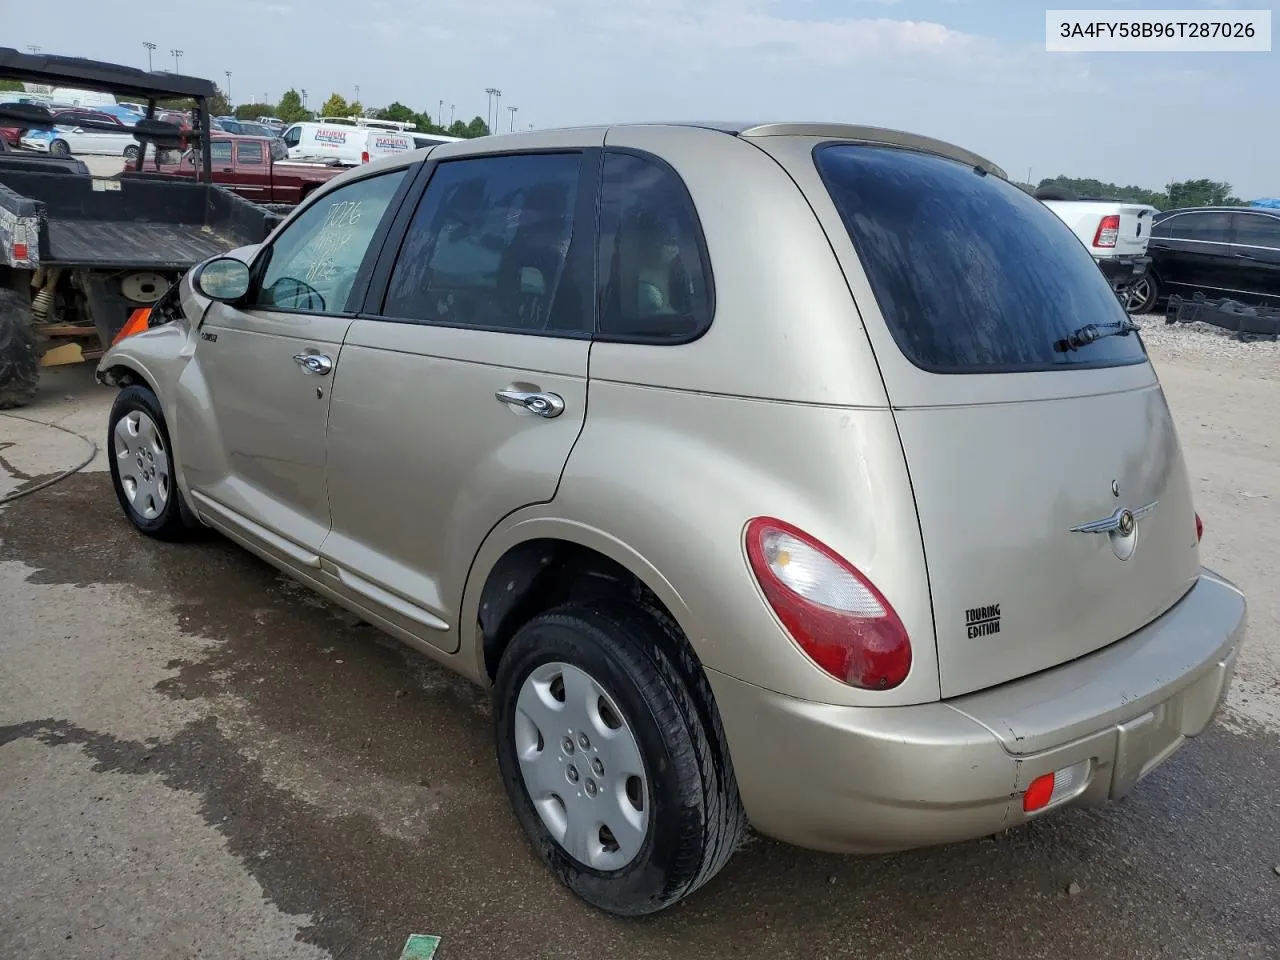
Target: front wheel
x,y
614,759
60,148
131,153
141,462
1141,295
19,363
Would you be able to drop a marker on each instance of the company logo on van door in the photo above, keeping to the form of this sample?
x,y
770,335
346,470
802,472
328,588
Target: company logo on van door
x,y
384,142
982,621
335,137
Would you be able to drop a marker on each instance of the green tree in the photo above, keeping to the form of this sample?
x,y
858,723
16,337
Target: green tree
x,y
398,112
335,106
219,106
1202,193
12,85
251,111
476,128
290,108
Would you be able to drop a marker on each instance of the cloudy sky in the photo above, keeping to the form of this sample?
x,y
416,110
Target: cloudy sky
x,y
974,72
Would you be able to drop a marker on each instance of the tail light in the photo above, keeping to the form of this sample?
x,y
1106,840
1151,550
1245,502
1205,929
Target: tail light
x,y
1199,528
836,615
1108,231
364,156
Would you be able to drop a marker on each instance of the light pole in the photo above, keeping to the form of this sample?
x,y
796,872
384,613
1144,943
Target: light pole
x,y
488,117
228,88
177,60
34,48
440,115
497,111
150,46
452,107
304,98
357,93
512,111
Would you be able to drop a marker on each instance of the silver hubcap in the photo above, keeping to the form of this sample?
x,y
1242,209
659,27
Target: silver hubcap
x,y
581,766
143,464
1138,293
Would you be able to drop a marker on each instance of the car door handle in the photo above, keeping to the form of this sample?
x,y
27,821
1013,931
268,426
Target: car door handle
x,y
316,363
543,404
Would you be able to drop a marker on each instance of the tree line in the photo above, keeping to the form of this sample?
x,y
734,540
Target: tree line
x,y
290,109
1180,193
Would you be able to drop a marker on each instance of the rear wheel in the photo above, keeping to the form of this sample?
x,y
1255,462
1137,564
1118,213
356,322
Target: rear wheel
x,y
60,148
614,759
19,362
141,462
1141,295
131,153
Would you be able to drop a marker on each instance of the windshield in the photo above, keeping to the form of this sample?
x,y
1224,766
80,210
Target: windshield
x,y
971,274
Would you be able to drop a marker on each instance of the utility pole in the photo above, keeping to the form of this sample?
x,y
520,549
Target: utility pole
x,y
357,93
150,46
497,111
440,115
228,88
512,111
34,48
304,98
177,60
452,107
488,117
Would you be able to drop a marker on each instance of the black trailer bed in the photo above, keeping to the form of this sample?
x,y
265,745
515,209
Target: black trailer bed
x,y
161,246
133,223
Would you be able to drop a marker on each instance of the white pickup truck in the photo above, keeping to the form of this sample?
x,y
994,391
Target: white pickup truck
x,y
1116,234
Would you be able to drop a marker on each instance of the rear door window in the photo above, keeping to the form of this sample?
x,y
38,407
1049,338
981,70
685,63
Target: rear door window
x,y
249,152
971,274
220,151
1257,230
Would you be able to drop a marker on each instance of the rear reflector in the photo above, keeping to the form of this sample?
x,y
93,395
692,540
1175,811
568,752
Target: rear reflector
x,y
1054,787
1108,231
1199,528
20,251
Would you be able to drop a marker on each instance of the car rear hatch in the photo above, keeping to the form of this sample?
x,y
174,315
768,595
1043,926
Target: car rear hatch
x,y
1053,501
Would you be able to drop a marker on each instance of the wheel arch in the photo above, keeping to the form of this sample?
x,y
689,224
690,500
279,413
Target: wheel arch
x,y
526,566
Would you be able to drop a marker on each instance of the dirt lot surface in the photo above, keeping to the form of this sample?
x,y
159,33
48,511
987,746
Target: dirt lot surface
x,y
200,759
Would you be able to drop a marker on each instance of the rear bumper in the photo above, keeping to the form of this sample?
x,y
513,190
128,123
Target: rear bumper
x,y
1121,271
869,779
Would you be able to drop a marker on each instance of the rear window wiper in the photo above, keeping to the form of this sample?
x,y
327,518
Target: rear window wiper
x,y
1092,332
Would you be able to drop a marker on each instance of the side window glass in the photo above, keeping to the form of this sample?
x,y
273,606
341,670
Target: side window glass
x,y
1257,230
292,137
488,246
250,152
312,265
1206,227
653,283
220,151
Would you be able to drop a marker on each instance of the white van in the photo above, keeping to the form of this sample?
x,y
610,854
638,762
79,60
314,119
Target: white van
x,y
345,144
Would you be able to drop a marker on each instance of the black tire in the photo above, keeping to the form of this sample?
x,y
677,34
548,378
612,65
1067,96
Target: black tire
x,y
59,148
696,819
1143,294
19,362
131,153
174,521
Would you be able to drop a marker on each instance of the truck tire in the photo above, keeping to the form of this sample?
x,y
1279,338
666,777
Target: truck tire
x,y
19,364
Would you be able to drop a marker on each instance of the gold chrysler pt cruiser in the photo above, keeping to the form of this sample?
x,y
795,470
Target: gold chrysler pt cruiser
x,y
802,475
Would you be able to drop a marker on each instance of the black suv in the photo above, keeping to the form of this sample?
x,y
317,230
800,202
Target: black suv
x,y
1231,252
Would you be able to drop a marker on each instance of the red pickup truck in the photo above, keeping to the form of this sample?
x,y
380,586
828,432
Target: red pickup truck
x,y
257,168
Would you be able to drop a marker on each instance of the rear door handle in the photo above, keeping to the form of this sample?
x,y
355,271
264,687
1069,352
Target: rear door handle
x,y
316,363
543,404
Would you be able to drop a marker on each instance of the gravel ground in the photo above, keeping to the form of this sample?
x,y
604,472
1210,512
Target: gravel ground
x,y
1206,343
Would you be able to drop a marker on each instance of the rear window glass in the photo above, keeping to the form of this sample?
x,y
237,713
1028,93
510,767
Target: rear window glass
x,y
971,274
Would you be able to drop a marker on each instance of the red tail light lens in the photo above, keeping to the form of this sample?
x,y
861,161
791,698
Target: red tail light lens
x,y
1199,528
364,156
836,615
1108,231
